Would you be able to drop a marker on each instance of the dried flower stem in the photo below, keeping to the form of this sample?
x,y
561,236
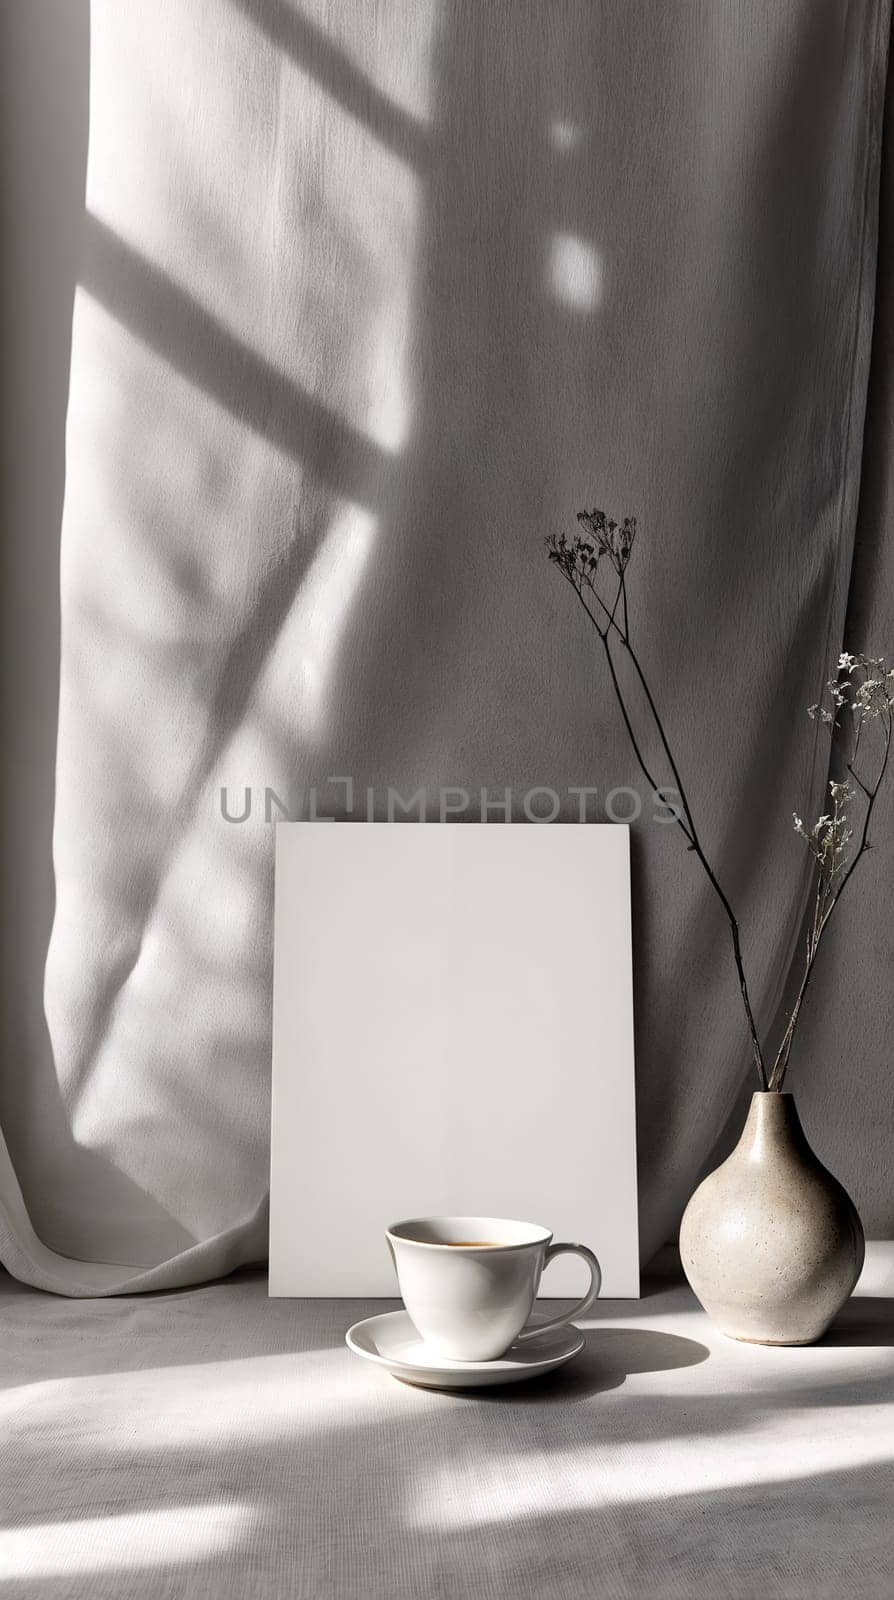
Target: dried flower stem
x,y
827,896
863,687
609,629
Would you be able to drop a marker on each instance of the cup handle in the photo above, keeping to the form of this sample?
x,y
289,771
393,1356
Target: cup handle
x,y
592,1294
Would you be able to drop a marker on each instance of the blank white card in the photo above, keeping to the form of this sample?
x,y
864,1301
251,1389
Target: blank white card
x,y
452,1033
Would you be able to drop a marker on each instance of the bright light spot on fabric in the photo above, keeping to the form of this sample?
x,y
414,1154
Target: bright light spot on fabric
x,y
575,272
120,1543
564,136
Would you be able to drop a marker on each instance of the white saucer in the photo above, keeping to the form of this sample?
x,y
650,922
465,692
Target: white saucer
x,y
392,1342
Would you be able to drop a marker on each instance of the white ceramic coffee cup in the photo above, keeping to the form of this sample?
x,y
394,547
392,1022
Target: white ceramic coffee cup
x,y
469,1283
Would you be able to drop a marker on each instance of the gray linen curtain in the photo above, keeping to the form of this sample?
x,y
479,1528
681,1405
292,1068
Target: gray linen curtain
x,y
374,296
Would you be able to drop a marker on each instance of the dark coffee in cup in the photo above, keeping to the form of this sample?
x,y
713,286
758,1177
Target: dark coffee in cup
x,y
472,1244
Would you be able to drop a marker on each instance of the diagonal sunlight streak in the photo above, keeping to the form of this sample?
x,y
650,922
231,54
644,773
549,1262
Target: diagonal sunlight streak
x,y
166,317
255,1398
332,68
122,1541
612,1474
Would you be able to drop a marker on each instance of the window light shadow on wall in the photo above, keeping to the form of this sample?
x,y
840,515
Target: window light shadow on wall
x,y
396,116
344,437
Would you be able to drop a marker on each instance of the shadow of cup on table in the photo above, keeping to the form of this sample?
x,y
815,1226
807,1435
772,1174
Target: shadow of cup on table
x,y
611,1356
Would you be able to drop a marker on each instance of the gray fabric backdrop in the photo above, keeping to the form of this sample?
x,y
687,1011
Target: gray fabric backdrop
x,y
372,297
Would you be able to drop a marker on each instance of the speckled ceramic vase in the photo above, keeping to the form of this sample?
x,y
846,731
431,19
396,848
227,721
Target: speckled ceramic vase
x,y
770,1242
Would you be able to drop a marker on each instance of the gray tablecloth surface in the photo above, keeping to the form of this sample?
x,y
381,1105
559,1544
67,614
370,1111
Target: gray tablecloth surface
x,y
213,1444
